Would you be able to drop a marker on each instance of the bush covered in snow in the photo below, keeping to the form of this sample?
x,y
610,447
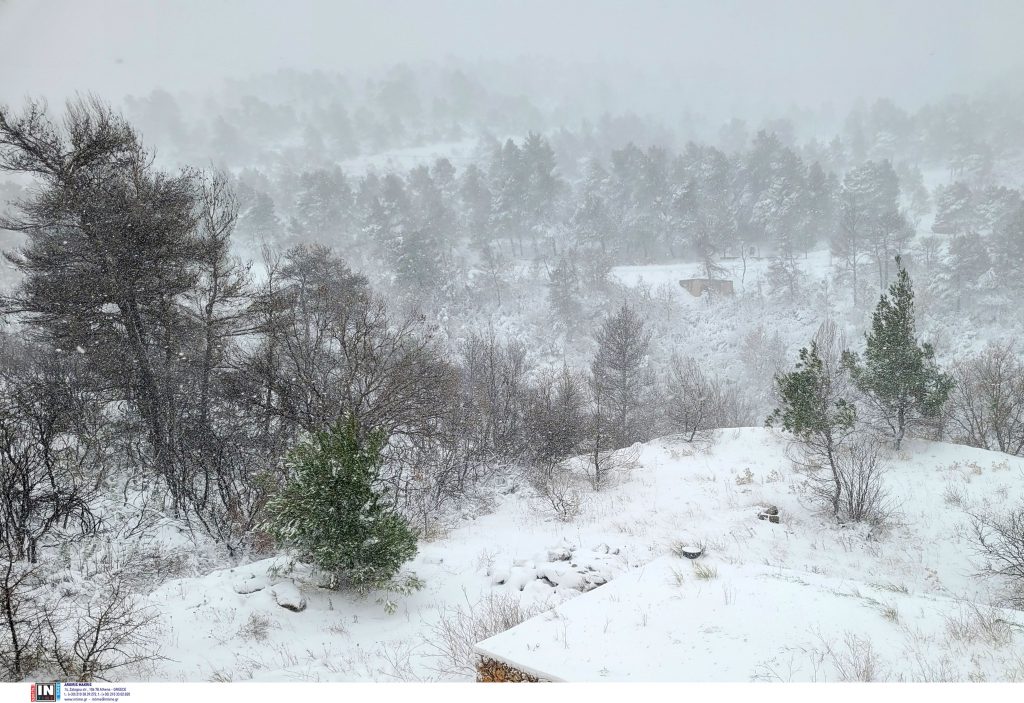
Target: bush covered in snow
x,y
334,512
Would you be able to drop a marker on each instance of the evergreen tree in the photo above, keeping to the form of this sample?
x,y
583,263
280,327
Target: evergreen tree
x,y
996,207
814,409
564,293
899,375
419,260
592,226
543,184
509,185
443,174
387,216
954,209
420,253
820,213
111,259
324,203
621,378
260,220
475,201
966,266
871,224
334,512
704,208
1008,247
337,126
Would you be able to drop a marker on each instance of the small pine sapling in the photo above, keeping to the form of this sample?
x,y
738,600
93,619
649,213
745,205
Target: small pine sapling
x,y
335,514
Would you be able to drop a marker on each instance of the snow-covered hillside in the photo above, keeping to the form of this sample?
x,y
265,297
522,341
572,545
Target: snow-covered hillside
x,y
911,582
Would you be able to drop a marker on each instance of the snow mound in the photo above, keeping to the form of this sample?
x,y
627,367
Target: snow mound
x,y
561,568
248,584
288,596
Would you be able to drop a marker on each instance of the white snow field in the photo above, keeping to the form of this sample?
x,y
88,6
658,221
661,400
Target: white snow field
x,y
801,600
722,622
746,277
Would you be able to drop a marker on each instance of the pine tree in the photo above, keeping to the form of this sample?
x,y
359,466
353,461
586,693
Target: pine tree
x,y
334,512
816,412
954,209
475,202
621,378
564,293
899,375
1008,247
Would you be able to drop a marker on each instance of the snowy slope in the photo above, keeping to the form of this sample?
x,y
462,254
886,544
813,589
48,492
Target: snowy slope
x,y
671,622
228,624
816,263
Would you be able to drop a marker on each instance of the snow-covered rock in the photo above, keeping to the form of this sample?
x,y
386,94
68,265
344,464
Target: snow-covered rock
x,y
288,596
559,554
246,585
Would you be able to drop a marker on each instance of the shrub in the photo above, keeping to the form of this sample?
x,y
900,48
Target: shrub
x,y
987,401
862,472
704,572
562,493
81,625
998,538
855,487
459,629
335,513
104,630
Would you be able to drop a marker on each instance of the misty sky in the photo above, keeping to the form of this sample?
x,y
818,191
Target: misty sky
x,y
804,52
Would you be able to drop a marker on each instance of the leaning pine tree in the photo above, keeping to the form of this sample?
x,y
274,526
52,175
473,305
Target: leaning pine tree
x,y
335,514
898,375
815,412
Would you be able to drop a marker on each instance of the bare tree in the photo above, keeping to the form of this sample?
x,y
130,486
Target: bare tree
x,y
20,616
986,406
696,402
999,540
556,417
222,294
604,464
494,386
853,485
50,454
862,471
327,347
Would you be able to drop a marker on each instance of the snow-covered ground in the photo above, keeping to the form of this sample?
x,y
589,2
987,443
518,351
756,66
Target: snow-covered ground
x,y
402,160
734,269
912,585
722,622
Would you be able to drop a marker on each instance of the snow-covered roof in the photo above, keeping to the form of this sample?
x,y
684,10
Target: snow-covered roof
x,y
665,622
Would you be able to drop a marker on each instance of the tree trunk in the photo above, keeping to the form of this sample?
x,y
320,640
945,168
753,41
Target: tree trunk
x,y
836,479
901,425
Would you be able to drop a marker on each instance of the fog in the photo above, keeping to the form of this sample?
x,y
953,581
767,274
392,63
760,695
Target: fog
x,y
719,54
341,340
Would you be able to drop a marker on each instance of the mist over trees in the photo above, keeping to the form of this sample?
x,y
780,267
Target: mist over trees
x,y
302,325
188,297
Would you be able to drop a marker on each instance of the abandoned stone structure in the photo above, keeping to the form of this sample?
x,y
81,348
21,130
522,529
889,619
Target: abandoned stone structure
x,y
697,286
494,671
